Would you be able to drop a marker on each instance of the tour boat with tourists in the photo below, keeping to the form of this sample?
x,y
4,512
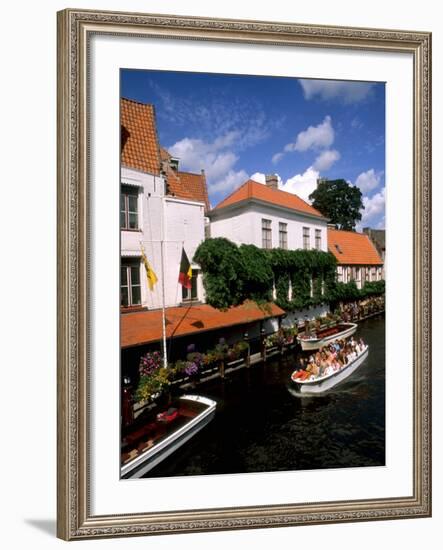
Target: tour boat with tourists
x,y
155,435
320,384
316,339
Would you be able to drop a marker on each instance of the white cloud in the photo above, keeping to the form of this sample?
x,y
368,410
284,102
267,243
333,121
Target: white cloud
x,y
356,123
195,154
258,177
229,182
369,180
314,137
345,91
374,209
302,184
277,157
326,159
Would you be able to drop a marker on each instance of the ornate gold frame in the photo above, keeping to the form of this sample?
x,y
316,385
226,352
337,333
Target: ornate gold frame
x,y
75,27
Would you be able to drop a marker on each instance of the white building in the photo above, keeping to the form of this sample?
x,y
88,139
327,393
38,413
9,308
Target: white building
x,y
357,258
161,209
268,217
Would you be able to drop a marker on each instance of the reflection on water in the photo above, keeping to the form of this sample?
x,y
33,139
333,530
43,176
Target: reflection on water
x,y
262,425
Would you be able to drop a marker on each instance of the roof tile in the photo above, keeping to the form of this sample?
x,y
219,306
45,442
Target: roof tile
x,y
139,142
354,248
144,327
254,190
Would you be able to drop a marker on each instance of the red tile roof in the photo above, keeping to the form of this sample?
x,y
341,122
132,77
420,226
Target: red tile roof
x,y
195,184
139,142
165,155
254,190
352,248
144,327
187,185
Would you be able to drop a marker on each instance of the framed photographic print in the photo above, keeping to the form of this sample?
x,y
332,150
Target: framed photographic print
x,y
244,274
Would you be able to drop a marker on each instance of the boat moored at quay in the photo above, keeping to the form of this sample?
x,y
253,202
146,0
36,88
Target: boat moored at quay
x,y
325,336
154,438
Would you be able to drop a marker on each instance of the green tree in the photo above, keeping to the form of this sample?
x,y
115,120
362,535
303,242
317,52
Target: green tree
x,y
339,201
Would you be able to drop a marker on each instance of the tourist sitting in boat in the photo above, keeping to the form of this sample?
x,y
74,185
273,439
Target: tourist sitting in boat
x,y
329,359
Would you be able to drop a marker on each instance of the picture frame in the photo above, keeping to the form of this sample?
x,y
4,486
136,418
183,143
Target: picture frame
x,y
75,517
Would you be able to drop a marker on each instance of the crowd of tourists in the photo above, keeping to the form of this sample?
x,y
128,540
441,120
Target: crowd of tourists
x,y
329,359
353,311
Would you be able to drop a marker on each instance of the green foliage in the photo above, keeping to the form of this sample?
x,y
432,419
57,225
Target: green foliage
x,y
233,274
346,292
373,289
257,276
151,385
339,201
222,267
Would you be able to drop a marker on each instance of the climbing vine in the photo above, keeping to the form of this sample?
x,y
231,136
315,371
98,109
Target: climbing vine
x,y
300,278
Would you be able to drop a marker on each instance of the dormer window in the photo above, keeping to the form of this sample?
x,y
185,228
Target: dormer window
x,y
173,163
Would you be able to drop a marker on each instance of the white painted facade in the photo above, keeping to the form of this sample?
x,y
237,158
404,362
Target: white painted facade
x,y
359,274
242,224
166,224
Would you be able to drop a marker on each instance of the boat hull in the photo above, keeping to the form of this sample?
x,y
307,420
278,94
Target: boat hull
x,y
152,457
311,344
309,387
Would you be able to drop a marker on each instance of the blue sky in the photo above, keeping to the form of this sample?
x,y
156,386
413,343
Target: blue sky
x,y
237,127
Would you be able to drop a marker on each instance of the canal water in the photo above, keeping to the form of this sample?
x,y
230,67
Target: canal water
x,y
261,425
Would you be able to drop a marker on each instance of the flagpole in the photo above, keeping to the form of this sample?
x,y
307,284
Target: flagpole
x,y
162,244
165,355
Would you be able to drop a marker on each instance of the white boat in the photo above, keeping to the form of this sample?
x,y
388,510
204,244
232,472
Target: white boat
x,y
152,440
326,336
324,383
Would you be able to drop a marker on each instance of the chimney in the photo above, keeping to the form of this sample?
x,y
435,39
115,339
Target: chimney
x,y
272,181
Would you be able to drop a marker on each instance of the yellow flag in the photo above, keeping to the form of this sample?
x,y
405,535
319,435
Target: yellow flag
x,y
152,277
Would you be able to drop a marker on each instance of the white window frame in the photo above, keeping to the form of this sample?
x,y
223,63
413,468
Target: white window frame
x,y
126,192
306,238
283,235
129,266
266,233
318,239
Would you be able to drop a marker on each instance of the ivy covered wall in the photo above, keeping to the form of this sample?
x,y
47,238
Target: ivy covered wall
x,y
301,278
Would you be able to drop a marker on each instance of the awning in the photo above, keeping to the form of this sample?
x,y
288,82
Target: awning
x,y
144,327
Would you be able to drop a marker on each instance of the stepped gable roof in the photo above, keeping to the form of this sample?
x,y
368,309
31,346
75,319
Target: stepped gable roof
x,y
258,191
351,248
144,327
139,141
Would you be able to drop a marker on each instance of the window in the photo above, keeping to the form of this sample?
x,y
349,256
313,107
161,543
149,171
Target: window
x,y
189,294
266,233
340,274
128,208
318,239
306,238
130,292
283,235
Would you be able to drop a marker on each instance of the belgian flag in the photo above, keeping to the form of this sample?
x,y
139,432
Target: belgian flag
x,y
185,275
